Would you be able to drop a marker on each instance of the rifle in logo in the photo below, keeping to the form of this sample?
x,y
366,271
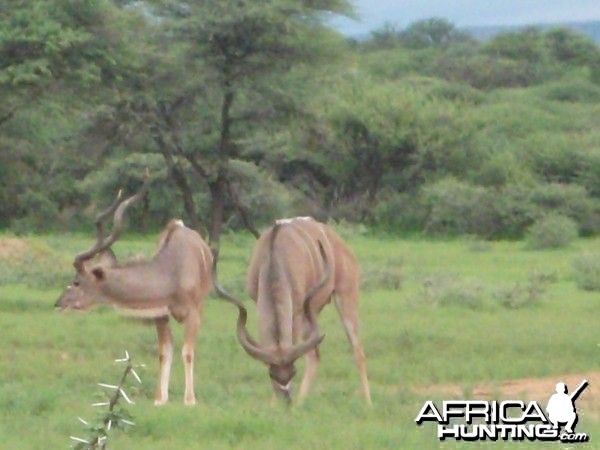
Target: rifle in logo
x,y
561,406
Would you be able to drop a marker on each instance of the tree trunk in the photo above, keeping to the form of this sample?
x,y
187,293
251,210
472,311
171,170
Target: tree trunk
x,y
218,189
242,210
180,181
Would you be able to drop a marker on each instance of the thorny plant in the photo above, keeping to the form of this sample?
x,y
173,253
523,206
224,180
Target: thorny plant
x,y
114,416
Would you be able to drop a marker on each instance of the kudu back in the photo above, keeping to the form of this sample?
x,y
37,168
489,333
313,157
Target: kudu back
x,y
297,267
172,283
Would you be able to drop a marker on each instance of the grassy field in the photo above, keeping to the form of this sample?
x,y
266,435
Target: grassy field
x,y
465,312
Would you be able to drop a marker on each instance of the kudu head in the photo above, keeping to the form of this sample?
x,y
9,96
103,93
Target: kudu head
x,y
91,266
281,361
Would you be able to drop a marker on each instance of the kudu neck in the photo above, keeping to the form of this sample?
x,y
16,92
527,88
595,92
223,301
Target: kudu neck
x,y
139,285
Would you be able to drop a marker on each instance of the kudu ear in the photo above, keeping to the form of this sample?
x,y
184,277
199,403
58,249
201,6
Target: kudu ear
x,y
99,273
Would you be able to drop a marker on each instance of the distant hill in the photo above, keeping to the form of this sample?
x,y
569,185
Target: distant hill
x,y
590,29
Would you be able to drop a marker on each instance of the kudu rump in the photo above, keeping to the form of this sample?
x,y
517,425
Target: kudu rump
x,y
297,266
173,283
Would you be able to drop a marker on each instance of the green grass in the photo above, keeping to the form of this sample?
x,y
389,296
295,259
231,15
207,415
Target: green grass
x,y
50,362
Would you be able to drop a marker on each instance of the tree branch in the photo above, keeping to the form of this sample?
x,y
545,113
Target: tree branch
x,y
242,210
9,115
178,177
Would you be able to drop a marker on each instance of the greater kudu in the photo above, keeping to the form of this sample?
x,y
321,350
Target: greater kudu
x,y
173,283
297,266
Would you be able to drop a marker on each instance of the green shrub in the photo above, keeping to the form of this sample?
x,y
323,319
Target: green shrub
x,y
264,198
520,296
387,275
42,213
456,207
457,93
441,290
399,211
348,230
569,200
127,174
552,231
33,264
589,172
516,211
488,72
552,155
572,91
586,271
518,207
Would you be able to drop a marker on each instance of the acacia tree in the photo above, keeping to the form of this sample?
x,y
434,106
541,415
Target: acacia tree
x,y
52,54
236,56
204,84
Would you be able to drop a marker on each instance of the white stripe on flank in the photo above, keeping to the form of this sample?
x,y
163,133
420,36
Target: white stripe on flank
x,y
203,259
290,220
143,313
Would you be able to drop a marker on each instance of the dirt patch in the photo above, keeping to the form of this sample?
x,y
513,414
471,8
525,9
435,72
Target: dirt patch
x,y
526,389
12,248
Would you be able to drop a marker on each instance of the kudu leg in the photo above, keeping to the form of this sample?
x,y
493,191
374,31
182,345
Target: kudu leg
x,y
191,325
165,358
312,359
347,309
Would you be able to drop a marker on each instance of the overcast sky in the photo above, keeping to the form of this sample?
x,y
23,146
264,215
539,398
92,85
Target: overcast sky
x,y
374,13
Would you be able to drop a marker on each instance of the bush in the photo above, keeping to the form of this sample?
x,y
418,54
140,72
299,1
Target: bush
x,y
552,231
33,264
518,207
42,213
520,296
455,207
441,290
387,276
488,72
395,212
569,200
572,91
262,195
457,93
516,211
127,173
553,156
586,271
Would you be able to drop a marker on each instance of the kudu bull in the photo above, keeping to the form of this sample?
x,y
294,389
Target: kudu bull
x,y
297,266
173,283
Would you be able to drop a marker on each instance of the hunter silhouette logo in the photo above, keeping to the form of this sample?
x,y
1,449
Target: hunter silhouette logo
x,y
561,406
507,420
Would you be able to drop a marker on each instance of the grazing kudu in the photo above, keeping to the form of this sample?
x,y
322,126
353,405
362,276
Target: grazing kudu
x,y
173,283
297,266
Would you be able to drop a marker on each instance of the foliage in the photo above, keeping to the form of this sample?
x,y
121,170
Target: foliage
x,y
35,265
552,231
374,131
586,271
577,90
455,207
248,112
386,275
444,290
521,296
433,32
